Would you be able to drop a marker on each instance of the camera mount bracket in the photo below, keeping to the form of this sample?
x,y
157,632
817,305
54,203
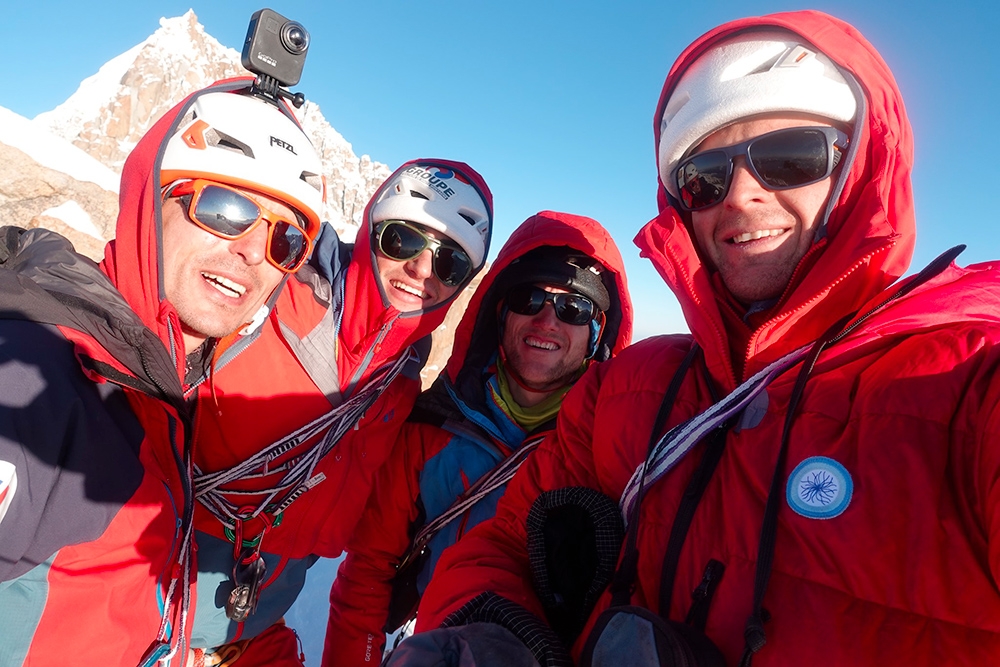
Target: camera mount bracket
x,y
268,87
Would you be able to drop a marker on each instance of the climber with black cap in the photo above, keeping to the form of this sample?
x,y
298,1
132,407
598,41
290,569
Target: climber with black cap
x,y
554,302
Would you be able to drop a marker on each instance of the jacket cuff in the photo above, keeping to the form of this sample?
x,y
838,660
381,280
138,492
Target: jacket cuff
x,y
489,607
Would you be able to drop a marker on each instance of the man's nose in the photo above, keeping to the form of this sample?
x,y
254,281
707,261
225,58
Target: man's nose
x,y
252,247
421,266
547,317
744,187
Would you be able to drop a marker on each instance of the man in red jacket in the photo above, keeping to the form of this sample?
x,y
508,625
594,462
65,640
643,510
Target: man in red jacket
x,y
96,501
554,301
812,476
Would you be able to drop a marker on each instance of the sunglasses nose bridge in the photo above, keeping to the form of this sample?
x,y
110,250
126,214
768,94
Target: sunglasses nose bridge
x,y
422,264
744,181
546,315
252,244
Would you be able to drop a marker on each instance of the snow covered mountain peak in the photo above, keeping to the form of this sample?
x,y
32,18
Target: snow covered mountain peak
x,y
112,109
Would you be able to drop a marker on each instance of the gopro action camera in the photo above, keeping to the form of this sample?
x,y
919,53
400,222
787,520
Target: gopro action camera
x,y
275,47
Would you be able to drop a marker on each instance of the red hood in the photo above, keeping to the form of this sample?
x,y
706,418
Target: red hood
x,y
547,228
870,231
367,311
133,260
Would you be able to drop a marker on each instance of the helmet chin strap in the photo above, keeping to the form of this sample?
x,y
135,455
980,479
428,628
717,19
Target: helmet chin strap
x,y
256,321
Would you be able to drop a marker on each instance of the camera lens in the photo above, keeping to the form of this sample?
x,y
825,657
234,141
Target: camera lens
x,y
294,38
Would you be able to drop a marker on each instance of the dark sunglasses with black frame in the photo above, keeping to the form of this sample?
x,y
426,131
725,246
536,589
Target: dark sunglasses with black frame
x,y
402,241
570,307
779,160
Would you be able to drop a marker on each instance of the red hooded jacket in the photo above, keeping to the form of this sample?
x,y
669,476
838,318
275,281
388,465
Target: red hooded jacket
x,y
360,598
906,407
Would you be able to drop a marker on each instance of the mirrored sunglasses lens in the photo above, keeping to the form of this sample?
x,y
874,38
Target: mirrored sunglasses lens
x,y
701,180
288,245
401,242
790,159
226,212
451,265
525,300
573,308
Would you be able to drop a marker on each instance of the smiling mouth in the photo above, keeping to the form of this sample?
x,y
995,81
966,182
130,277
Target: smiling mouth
x,y
540,344
753,236
403,287
224,285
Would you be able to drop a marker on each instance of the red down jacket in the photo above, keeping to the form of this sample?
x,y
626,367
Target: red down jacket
x,y
907,405
452,432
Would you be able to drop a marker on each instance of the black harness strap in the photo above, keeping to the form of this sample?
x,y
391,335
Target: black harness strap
x,y
685,513
624,581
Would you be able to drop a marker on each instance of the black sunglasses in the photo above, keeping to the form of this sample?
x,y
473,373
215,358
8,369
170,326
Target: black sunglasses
x,y
402,241
571,308
779,160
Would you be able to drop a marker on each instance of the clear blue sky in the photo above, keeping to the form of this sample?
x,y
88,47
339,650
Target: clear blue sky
x,y
552,101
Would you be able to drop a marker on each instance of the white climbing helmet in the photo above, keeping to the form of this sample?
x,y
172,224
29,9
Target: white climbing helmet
x,y
438,198
248,143
753,73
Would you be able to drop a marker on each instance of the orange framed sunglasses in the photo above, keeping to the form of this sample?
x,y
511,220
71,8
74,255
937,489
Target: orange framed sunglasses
x,y
230,214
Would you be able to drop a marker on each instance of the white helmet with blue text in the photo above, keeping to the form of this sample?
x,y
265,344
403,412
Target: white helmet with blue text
x,y
438,198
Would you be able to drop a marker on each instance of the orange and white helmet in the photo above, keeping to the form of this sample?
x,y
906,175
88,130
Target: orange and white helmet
x,y
439,198
249,143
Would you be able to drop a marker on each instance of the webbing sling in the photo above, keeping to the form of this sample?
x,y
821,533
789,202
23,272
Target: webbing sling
x,y
298,471
499,475
677,442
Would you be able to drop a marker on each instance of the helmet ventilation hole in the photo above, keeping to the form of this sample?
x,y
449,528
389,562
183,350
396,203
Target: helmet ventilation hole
x,y
225,141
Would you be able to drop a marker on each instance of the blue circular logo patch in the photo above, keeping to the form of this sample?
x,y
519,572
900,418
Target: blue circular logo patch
x,y
819,488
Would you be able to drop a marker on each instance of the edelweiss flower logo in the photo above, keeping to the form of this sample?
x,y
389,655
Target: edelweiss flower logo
x,y
819,488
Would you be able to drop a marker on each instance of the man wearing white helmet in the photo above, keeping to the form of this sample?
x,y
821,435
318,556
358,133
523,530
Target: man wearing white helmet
x,y
812,475
292,428
423,205
554,300
98,369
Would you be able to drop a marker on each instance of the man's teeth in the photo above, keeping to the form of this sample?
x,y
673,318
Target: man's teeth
x,y
409,290
224,285
541,345
759,234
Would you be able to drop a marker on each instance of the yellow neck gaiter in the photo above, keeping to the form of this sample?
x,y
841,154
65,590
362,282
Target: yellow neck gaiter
x,y
527,418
